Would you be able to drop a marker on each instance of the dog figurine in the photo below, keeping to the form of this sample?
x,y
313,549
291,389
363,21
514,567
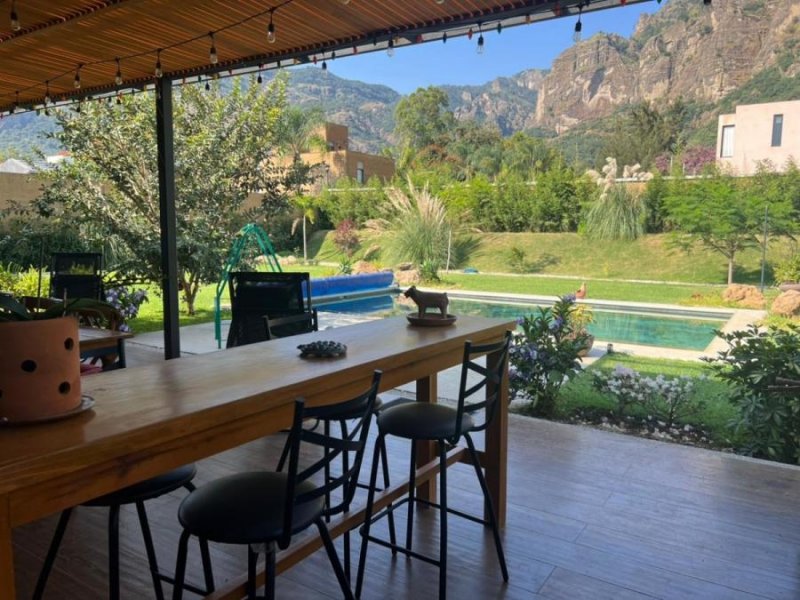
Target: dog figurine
x,y
425,300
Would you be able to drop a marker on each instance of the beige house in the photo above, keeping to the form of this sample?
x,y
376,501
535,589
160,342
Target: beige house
x,y
759,132
339,161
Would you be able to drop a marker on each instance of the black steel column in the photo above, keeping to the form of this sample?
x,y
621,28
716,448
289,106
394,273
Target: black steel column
x,y
166,192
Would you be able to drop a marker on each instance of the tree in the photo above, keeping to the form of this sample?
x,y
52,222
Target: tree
x,y
298,131
422,120
308,213
224,144
722,213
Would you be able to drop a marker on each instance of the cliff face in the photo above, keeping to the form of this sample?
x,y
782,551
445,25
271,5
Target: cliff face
x,y
685,50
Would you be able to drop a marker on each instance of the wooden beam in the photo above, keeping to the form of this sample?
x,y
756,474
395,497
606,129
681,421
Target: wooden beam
x,y
166,193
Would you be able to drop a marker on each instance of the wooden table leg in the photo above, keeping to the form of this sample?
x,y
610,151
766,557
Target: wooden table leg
x,y
497,448
426,451
6,554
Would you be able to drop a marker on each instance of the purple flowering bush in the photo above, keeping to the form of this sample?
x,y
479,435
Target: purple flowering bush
x,y
544,354
127,302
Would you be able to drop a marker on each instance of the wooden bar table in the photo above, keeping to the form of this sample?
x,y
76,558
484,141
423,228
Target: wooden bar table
x,y
151,419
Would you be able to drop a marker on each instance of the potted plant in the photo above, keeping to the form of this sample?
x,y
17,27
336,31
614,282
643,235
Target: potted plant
x,y
40,359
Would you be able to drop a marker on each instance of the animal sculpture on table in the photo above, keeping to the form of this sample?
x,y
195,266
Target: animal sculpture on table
x,y
426,300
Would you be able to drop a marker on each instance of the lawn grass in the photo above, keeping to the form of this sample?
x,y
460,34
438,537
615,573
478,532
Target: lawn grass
x,y
652,257
714,416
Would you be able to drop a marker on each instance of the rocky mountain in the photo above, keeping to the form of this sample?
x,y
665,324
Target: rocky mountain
x,y
713,56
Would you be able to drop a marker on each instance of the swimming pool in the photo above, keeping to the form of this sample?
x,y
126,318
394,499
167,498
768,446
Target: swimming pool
x,y
679,332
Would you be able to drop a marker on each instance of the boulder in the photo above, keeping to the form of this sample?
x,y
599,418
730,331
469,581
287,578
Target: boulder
x,y
406,278
362,266
787,304
746,296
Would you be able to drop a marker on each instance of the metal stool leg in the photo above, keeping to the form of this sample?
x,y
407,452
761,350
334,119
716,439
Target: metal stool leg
x,y
373,480
52,552
113,552
386,483
150,550
412,494
442,521
488,499
269,569
335,563
180,566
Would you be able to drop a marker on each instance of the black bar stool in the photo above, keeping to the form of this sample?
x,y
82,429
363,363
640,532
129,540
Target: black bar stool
x,y
421,421
136,494
264,509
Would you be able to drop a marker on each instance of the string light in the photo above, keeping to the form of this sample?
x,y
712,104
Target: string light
x,y
271,28
15,26
208,85
260,79
324,66
578,26
390,48
118,75
707,2
16,103
469,34
444,37
480,39
439,1
159,72
77,81
46,93
213,57
499,28
527,19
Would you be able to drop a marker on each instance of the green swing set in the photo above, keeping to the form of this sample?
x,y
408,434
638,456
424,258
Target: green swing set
x,y
249,234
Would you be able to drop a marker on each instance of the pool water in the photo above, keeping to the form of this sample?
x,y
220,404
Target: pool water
x,y
681,332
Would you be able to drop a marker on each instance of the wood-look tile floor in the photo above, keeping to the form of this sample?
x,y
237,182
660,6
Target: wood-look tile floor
x,y
591,515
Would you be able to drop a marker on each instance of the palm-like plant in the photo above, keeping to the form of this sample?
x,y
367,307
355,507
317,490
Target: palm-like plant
x,y
416,228
308,213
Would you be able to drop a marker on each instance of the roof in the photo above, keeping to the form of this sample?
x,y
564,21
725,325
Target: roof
x,y
59,39
13,165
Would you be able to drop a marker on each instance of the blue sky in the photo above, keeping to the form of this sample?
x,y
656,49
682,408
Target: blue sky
x,y
457,62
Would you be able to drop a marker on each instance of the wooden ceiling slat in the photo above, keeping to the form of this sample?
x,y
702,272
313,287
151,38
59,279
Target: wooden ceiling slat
x,y
57,35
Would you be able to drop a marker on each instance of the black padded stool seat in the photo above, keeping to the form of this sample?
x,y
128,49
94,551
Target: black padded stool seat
x,y
149,488
137,494
246,508
423,421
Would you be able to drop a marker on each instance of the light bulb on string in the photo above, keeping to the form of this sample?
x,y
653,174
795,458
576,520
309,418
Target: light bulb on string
x,y
47,99
439,1
271,29
480,44
159,72
260,79
76,83
499,28
15,26
528,19
118,76
208,85
390,48
213,57
324,67
706,2
444,37
576,36
469,33
16,103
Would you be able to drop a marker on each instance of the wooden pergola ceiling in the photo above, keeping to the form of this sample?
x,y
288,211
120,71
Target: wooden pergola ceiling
x,y
56,36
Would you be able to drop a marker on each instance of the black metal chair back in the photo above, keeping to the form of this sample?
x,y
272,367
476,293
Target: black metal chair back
x,y
269,305
350,445
76,275
489,376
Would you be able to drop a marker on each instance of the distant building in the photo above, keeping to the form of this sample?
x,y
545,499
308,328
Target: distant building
x,y
339,161
759,132
14,165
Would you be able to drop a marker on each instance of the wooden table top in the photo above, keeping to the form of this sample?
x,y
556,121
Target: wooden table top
x,y
92,338
164,403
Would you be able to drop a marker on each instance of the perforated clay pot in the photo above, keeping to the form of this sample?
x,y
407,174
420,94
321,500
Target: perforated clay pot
x,y
39,369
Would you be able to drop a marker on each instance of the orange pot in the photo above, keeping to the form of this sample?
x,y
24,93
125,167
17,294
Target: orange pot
x,y
39,369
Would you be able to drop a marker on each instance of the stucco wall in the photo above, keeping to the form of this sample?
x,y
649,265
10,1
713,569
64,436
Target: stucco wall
x,y
753,136
15,187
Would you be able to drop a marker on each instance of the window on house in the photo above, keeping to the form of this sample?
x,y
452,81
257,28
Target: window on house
x,y
726,151
777,130
360,178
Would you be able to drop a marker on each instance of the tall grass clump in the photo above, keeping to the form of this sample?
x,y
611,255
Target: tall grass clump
x,y
617,215
415,228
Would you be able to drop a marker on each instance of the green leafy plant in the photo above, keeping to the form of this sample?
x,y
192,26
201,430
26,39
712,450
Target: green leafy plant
x,y
544,354
788,271
753,365
13,310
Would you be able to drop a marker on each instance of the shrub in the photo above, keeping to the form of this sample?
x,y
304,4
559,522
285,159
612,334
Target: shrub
x,y
544,355
345,238
788,271
752,366
126,301
617,215
669,399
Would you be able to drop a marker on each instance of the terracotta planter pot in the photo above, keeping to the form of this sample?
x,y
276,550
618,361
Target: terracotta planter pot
x,y
589,343
39,369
